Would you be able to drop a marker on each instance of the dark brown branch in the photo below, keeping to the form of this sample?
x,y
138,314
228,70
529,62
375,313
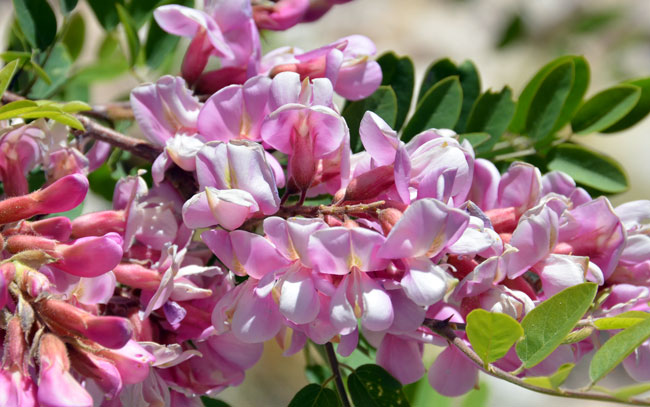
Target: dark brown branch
x,y
444,329
334,365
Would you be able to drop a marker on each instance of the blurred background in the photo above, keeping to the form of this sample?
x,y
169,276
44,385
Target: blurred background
x,y
508,40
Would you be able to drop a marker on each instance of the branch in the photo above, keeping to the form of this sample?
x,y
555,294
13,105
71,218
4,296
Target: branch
x,y
445,330
334,365
138,147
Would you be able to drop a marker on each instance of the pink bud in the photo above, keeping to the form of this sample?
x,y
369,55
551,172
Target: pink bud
x,y
504,220
31,281
99,224
137,276
66,319
370,184
388,218
91,256
196,57
100,369
62,195
56,386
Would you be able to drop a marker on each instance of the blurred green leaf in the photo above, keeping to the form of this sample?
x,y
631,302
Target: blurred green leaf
x,y
399,73
15,109
6,74
57,68
617,348
101,71
21,56
106,12
470,82
640,110
491,114
313,395
317,373
141,10
439,108
475,139
421,394
210,402
75,106
546,105
371,385
590,21
625,393
131,32
159,45
38,70
553,381
492,334
68,5
383,102
75,33
37,22
512,31
477,397
605,108
550,321
588,167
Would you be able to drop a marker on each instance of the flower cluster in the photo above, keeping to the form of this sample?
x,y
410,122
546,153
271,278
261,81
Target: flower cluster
x,y
167,297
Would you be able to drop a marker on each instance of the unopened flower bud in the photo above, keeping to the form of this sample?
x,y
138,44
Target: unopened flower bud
x,y
369,184
99,224
131,360
388,218
62,195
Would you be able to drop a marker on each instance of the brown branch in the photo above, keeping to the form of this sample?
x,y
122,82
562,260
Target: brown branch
x,y
445,330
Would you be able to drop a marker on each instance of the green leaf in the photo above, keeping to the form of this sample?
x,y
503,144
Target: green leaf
x,y
616,323
605,109
518,123
21,56
588,167
581,77
159,45
492,334
68,5
106,12
37,22
546,326
141,10
72,214
15,109
399,74
371,385
546,105
627,392
639,111
436,72
475,139
57,68
439,108
383,102
421,394
491,114
6,74
578,336
477,397
38,70
210,402
512,31
617,348
131,32
313,395
75,106
75,33
553,381
470,82
317,373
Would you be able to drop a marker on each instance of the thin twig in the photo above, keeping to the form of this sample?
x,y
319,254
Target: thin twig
x,y
334,365
444,330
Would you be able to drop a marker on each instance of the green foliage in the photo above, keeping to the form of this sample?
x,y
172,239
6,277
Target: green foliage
x,y
37,22
57,68
399,74
383,102
439,108
68,5
28,109
621,321
639,111
210,402
605,109
546,326
617,348
371,385
314,395
553,381
589,168
131,32
491,114
6,74
74,35
106,12
492,334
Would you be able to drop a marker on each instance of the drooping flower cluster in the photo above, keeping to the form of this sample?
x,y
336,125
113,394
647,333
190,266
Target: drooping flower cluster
x,y
167,297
